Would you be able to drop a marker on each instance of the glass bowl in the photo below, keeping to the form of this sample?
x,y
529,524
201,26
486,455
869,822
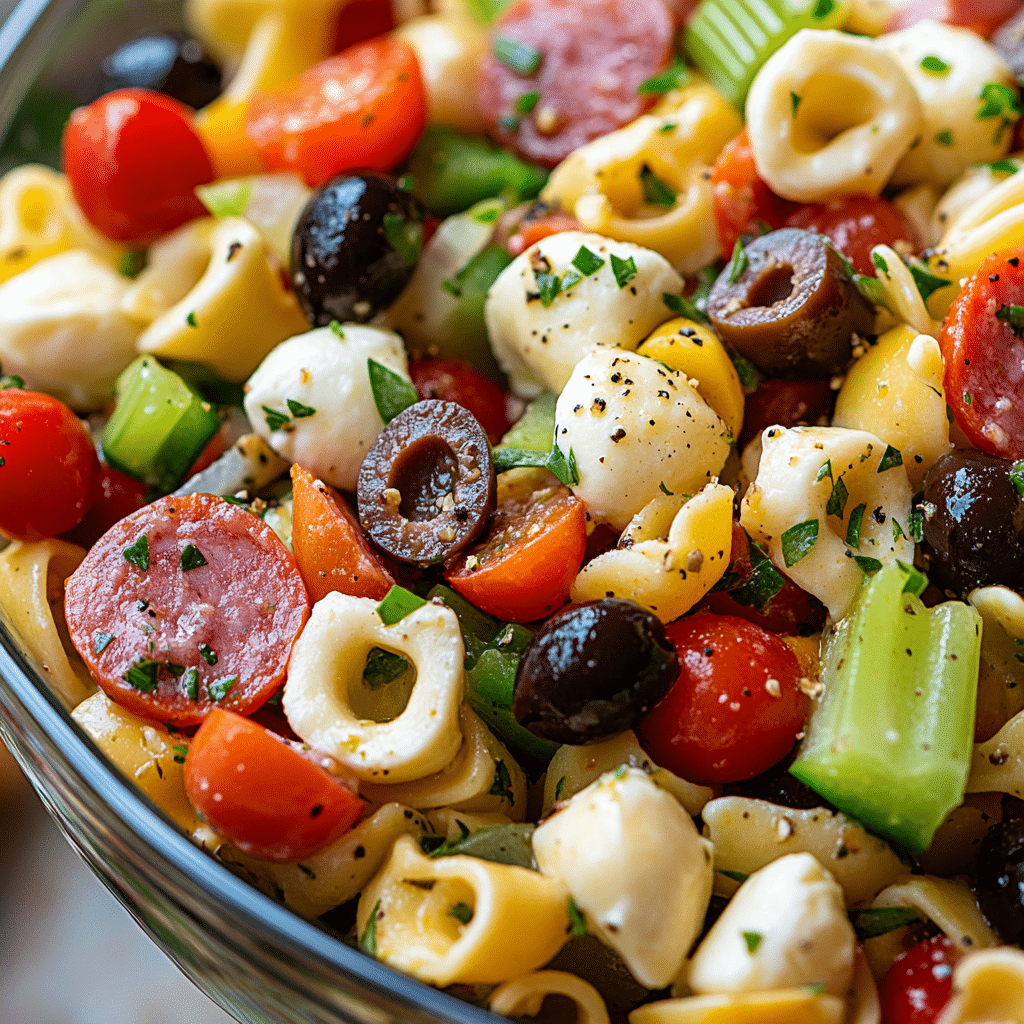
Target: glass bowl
x,y
256,959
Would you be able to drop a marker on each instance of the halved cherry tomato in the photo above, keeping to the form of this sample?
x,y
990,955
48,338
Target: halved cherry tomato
x,y
919,983
785,403
856,224
263,794
742,203
363,108
117,496
534,229
981,16
330,548
453,380
533,551
735,709
133,160
982,342
48,466
360,20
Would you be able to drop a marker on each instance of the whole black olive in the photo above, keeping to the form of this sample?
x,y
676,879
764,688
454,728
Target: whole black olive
x,y
355,247
1000,879
793,307
426,487
593,670
169,62
973,523
777,786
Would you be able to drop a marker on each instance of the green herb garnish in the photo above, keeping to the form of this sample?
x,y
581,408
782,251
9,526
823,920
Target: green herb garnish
x,y
462,912
656,191
368,940
392,393
142,675
587,262
880,920
935,65
738,264
836,501
674,77
275,420
577,922
525,103
404,236
753,940
798,540
890,457
101,641
623,269
522,58
1014,316
298,410
138,553
218,689
502,785
208,654
854,526
191,558
397,604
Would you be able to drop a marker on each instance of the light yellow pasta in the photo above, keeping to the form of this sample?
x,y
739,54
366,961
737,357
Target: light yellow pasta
x,y
864,1003
900,291
949,904
575,767
525,996
748,834
787,1006
482,778
950,69
39,218
1001,672
970,187
883,393
602,183
998,763
988,988
32,606
448,48
337,873
810,148
449,822
233,313
462,919
796,475
666,567
918,204
869,17
143,751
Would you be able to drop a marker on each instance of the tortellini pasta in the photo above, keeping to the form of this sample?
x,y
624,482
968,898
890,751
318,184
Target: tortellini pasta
x,y
525,996
811,482
785,1006
326,667
608,184
988,986
539,338
1001,673
808,147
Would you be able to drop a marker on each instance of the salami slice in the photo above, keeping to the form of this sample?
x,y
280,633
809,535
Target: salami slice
x,y
188,604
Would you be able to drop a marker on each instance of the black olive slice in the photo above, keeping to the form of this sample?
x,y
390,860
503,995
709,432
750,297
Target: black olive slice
x,y
1000,880
793,309
173,63
427,488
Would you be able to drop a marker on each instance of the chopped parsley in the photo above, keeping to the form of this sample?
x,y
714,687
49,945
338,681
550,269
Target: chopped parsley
x,y
298,410
656,191
825,471
1016,477
968,398
138,553
180,753
383,667
368,940
935,66
879,920
1014,316
208,654
1001,167
823,8
998,100
397,604
867,564
218,689
404,236
549,285
564,466
392,393
927,282
520,57
101,641
664,489
11,381
684,307
735,876
880,263
191,319
854,526
559,787
142,675
916,581
191,558
275,420
502,786
674,77
131,263
623,269
587,262
890,457
748,373
174,668
798,540
526,102
738,264
577,922
794,99
836,500
462,912
406,183
190,684
944,138
753,940
763,583
337,330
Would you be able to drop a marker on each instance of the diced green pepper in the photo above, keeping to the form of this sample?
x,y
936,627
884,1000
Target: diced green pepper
x,y
455,171
159,426
890,742
468,332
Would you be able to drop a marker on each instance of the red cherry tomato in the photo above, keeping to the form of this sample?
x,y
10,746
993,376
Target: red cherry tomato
x,y
982,342
735,709
856,224
919,983
262,794
48,466
133,160
741,202
785,403
117,496
453,380
534,229
982,16
363,108
360,20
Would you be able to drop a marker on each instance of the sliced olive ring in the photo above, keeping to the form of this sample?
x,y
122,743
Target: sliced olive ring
x,y
426,487
793,309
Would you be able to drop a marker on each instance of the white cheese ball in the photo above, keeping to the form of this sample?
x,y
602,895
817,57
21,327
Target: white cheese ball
x,y
635,866
949,68
785,927
62,329
325,372
636,429
538,345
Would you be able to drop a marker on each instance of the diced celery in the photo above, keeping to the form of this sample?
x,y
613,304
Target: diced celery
x,y
453,172
730,40
487,10
890,741
159,426
535,429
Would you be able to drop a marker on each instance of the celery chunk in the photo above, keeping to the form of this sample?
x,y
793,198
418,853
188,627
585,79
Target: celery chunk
x,y
890,741
159,427
729,40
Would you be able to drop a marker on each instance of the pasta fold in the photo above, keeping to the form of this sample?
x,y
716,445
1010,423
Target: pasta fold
x,y
525,996
988,987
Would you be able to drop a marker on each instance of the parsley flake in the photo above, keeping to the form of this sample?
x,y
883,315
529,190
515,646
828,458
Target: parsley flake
x,y
298,410
1017,476
944,138
1001,167
825,471
814,990
674,77
564,466
587,262
656,191
525,103
368,940
209,655
11,381
1014,316
404,236
520,57
879,920
138,553
867,564
218,689
407,182
998,101
191,319
577,922
101,641
890,457
823,8
623,269
180,753
131,263
837,500
559,786
935,66
854,526
880,262
916,525
763,583
927,282
794,99
392,393
142,675
735,876
549,285
798,540
462,912
275,420
753,940
337,330
738,264
502,785
191,558
683,307
664,489
190,684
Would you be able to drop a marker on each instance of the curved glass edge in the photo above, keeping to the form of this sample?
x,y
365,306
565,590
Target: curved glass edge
x,y
256,959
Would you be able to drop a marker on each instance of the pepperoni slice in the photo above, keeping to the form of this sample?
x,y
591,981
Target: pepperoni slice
x,y
579,64
188,604
982,344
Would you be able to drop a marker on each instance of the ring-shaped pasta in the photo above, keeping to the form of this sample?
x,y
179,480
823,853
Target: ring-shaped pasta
x,y
525,996
327,664
809,148
1001,672
462,919
900,294
987,986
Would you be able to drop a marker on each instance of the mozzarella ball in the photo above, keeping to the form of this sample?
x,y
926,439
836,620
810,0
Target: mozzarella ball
x,y
949,69
325,372
62,329
636,429
644,886
785,927
538,345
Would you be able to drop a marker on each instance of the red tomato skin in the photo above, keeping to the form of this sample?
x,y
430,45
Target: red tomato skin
x,y
984,357
116,496
453,380
260,793
919,983
372,120
719,723
48,466
531,231
982,16
785,403
133,160
360,20
856,224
